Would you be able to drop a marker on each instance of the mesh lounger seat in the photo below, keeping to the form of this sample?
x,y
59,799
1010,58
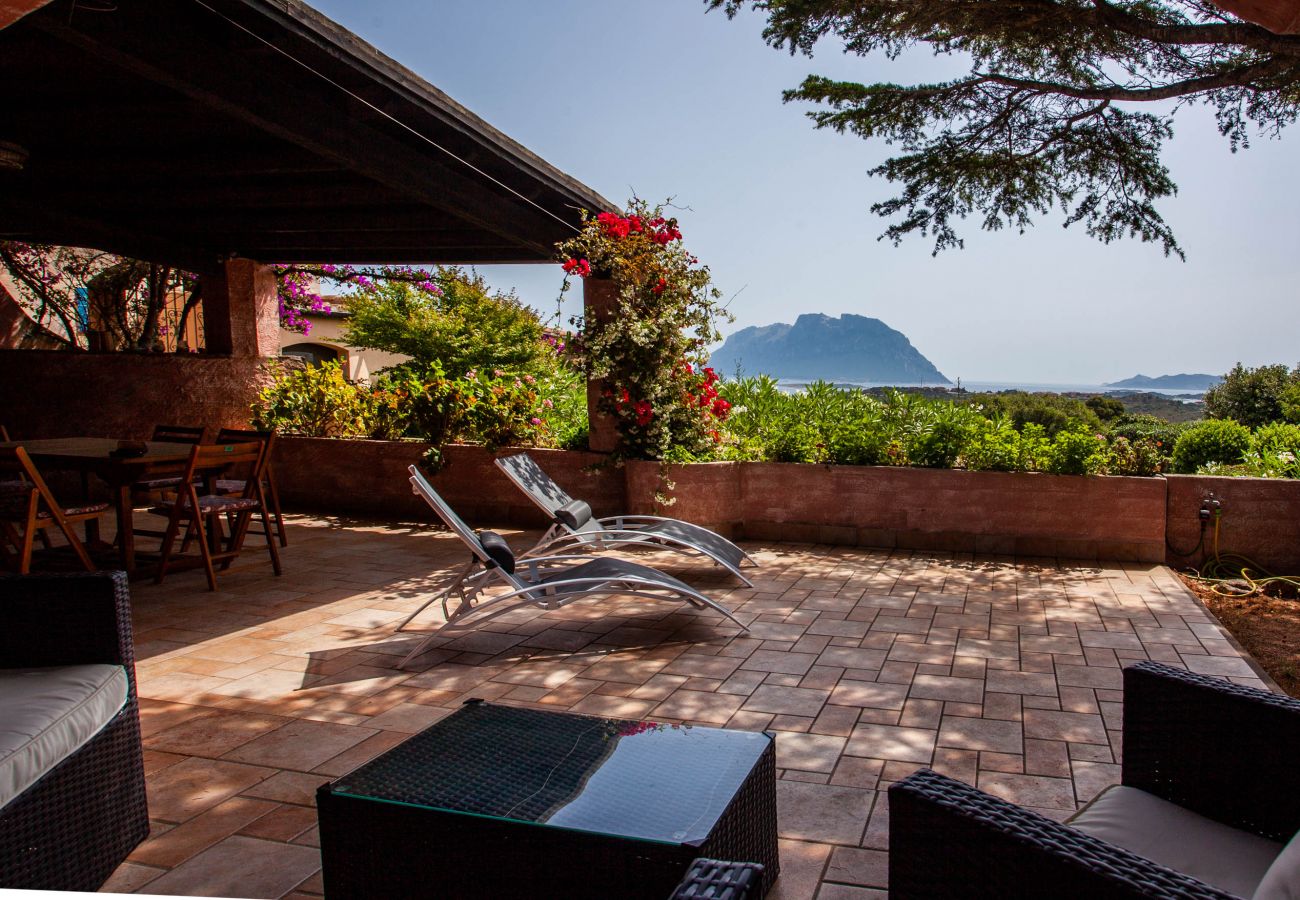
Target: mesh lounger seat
x,y
546,581
574,527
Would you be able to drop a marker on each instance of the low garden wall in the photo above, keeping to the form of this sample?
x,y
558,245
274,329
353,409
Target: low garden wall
x,y
60,393
370,477
1260,519
925,509
1065,516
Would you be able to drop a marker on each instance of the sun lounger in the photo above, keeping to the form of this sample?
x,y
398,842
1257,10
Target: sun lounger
x,y
574,527
548,581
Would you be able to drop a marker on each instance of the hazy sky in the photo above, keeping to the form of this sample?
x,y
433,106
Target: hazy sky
x,y
659,98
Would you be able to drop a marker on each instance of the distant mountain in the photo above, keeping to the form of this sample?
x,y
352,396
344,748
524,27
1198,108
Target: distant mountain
x,y
850,348
1169,382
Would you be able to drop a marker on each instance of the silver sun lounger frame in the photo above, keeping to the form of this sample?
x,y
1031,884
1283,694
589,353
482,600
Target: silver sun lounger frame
x,y
616,532
548,582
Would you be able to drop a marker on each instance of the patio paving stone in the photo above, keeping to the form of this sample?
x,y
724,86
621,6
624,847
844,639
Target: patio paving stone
x,y
867,664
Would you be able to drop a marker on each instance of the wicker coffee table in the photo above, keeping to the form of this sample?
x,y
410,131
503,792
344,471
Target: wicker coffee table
x,y
500,801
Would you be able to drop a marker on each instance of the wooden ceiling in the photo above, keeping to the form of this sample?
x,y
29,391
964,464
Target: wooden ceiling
x,y
188,131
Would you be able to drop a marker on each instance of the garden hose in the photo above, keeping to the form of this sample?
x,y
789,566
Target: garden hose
x,y
1234,575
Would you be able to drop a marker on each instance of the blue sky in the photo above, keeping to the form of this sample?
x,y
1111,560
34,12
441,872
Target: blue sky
x,y
659,98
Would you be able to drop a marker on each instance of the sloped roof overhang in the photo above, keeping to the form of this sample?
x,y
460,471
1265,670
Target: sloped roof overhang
x,y
189,131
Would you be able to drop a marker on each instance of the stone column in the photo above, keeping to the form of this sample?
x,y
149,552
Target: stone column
x,y
599,300
241,316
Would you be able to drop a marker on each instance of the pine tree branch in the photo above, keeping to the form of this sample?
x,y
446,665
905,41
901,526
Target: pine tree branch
x,y
1240,77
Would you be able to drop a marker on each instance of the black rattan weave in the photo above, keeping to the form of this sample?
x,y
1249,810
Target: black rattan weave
x,y
1214,747
74,826
381,847
1217,748
711,879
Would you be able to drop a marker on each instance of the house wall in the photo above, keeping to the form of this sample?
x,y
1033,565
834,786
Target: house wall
x,y
56,393
358,364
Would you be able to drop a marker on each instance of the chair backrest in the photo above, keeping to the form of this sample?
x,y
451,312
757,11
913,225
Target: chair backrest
x,y
529,477
421,488
211,457
16,464
178,434
235,435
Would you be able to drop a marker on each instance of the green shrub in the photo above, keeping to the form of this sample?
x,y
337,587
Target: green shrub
x,y
939,438
1135,427
1274,452
1252,397
1139,457
1052,411
1211,441
995,446
315,401
1106,408
563,408
1076,452
456,321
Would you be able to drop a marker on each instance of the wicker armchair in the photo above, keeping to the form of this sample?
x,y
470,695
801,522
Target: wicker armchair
x,y
1217,749
74,826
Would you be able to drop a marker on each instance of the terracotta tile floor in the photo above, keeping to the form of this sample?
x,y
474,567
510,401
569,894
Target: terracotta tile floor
x,y
866,664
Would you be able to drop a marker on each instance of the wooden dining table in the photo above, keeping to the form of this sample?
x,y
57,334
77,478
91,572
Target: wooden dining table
x,y
97,456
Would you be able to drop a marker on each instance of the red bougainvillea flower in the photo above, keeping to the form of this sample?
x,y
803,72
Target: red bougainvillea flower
x,y
615,225
626,398
644,412
634,224
660,285
721,408
579,267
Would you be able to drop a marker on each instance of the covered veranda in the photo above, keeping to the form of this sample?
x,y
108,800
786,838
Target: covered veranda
x,y
221,137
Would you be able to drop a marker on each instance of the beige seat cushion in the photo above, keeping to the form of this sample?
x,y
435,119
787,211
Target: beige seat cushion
x,y
1227,858
48,714
1282,881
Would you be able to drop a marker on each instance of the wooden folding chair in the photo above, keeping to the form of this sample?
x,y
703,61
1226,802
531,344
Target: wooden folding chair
x,y
172,434
27,508
202,515
237,486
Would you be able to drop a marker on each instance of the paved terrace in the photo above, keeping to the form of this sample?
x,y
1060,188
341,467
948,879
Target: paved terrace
x,y
866,664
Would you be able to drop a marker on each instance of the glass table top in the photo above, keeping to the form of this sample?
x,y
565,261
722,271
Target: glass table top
x,y
641,780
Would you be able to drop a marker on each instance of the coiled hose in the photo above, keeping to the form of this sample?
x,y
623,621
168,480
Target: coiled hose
x,y
1234,575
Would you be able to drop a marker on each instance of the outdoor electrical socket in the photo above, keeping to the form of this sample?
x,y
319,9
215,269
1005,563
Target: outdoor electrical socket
x,y
1210,506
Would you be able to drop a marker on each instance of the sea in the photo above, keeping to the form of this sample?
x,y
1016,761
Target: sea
x,y
979,387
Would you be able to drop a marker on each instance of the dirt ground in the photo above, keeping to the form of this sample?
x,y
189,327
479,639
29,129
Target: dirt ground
x,y
1267,626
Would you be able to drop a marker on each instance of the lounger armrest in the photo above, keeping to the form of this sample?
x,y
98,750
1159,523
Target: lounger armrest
x,y
1213,747
948,839
56,620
